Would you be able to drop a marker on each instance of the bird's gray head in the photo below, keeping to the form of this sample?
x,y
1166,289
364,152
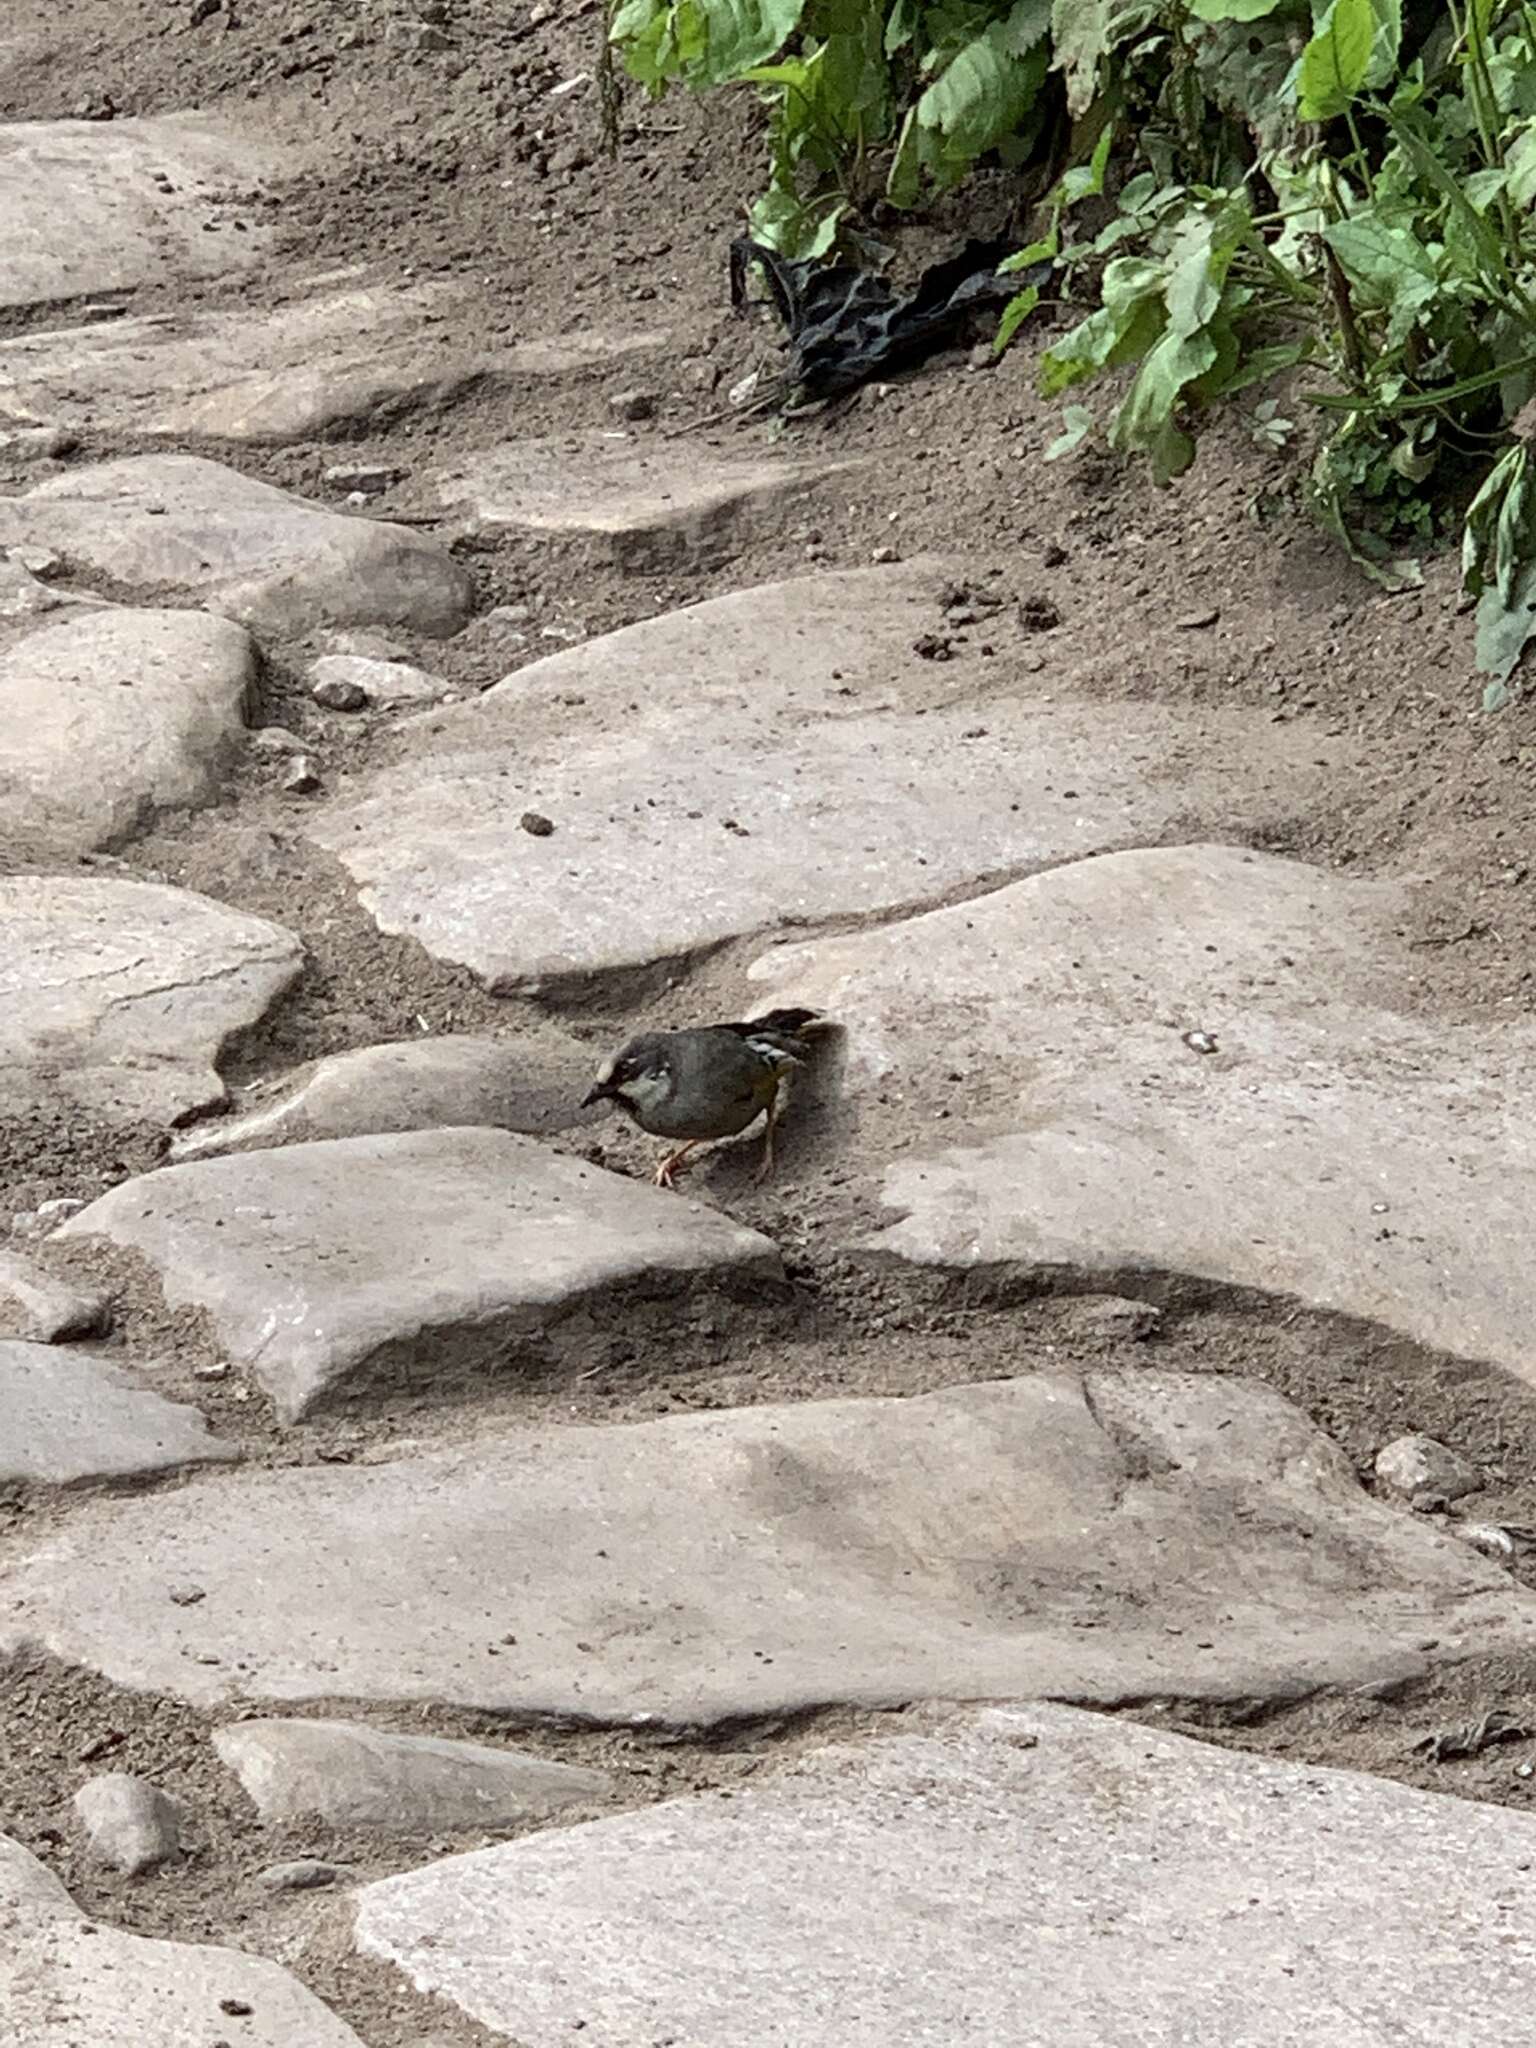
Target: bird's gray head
x,y
639,1076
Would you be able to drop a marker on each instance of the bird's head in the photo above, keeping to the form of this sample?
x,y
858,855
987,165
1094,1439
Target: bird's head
x,y
638,1077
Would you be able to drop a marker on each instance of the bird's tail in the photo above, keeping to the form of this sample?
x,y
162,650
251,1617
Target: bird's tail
x,y
787,1031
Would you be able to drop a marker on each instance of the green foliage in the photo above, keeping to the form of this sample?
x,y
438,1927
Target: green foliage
x,y
1296,190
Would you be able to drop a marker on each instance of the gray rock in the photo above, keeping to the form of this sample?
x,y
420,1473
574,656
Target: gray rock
x,y
84,206
1340,1150
108,718
415,1085
303,778
130,1825
67,1415
342,352
644,506
43,1308
276,739
335,693
1419,1464
118,996
241,547
768,757
1038,1875
368,477
422,1257
70,1982
1127,1536
46,1217
633,405
354,1776
303,1875
388,684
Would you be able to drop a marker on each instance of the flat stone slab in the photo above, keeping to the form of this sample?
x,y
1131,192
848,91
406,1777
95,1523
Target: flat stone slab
x,y
110,717
641,504
419,1258
354,1776
1327,1144
68,1415
341,350
1103,1539
119,995
1033,1875
67,1981
97,206
775,757
182,525
414,1085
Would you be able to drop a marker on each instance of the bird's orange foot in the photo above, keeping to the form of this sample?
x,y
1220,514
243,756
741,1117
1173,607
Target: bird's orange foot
x,y
672,1165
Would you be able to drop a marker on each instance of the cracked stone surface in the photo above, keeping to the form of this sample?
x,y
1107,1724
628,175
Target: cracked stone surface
x,y
82,211
43,1307
530,1084
352,1775
641,504
1102,1539
68,1414
111,717
119,995
1033,1874
67,1981
420,1258
241,547
1334,1148
342,350
765,759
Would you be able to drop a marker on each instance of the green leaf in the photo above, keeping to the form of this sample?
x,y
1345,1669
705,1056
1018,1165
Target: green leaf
x,y
1080,38
1232,10
1076,426
1015,313
1505,626
1334,64
1497,696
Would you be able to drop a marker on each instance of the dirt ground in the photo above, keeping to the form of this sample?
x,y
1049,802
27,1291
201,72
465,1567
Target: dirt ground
x,y
429,142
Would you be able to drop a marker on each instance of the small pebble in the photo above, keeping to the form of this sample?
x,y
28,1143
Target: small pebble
x,y
337,694
1414,1466
633,405
305,1875
536,823
129,1824
1194,622
303,778
276,739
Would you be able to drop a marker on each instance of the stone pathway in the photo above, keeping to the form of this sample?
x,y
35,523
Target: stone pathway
x,y
1026,1874
343,1429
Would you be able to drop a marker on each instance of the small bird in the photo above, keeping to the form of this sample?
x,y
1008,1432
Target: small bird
x,y
707,1083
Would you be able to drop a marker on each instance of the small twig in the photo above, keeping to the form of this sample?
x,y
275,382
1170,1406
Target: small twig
x,y
729,412
1343,306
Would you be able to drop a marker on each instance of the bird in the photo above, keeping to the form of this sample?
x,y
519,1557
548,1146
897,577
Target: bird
x,y
708,1082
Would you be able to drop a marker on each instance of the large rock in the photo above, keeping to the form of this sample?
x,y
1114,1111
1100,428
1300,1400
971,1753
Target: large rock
x,y
241,547
1334,1147
417,1084
1039,1876
645,507
67,1414
119,995
67,1981
343,351
93,206
422,1258
1102,1539
775,757
110,717
353,1776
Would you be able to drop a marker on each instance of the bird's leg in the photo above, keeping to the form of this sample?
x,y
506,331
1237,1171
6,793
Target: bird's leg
x,y
766,1167
672,1162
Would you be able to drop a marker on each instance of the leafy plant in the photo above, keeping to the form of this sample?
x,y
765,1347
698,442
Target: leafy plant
x,y
1328,203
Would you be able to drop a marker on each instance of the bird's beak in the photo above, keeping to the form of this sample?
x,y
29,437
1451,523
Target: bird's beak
x,y
600,1091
